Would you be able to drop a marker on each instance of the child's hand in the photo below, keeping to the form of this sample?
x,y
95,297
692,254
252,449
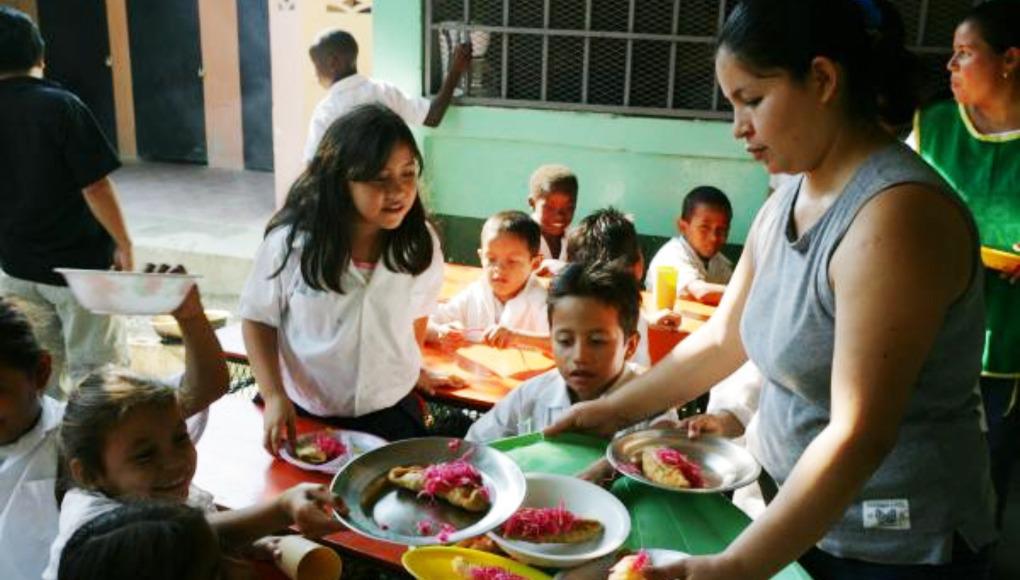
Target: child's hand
x,y
550,267
429,383
450,335
666,318
725,424
600,473
267,548
498,336
279,424
310,506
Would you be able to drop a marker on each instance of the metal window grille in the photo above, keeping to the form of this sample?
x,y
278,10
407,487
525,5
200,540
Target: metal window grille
x,y
647,57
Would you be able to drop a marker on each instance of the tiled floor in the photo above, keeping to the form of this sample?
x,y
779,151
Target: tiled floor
x,y
211,220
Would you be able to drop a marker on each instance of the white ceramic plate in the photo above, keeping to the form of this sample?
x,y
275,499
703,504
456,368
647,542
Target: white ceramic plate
x,y
356,442
585,500
382,511
134,293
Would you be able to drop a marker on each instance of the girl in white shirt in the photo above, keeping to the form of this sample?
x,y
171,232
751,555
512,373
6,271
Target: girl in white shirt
x,y
339,297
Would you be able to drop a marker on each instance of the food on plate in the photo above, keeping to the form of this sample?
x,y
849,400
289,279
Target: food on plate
x,y
319,447
469,571
457,482
555,525
630,567
668,466
482,544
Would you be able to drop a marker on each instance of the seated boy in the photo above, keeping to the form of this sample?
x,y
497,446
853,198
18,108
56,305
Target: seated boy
x,y
702,270
607,236
552,196
593,314
29,427
335,56
506,306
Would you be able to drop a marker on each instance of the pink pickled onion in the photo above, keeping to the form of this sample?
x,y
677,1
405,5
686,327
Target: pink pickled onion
x,y
539,522
444,533
329,445
493,573
690,470
641,561
442,477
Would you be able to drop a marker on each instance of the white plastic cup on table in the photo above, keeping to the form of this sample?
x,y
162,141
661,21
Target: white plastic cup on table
x,y
665,287
303,559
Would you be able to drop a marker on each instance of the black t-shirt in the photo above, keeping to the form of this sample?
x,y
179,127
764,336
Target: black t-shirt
x,y
50,149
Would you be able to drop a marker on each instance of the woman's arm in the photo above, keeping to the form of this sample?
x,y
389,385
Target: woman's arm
x,y
279,417
884,331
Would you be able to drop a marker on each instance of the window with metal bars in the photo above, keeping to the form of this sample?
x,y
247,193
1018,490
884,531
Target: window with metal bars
x,y
647,57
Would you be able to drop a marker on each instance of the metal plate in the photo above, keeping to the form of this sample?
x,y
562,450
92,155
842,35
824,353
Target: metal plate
x,y
381,511
724,465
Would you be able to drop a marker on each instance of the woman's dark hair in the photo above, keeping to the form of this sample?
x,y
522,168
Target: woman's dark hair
x,y
21,45
18,347
605,236
706,195
865,37
96,406
320,211
998,23
604,282
151,540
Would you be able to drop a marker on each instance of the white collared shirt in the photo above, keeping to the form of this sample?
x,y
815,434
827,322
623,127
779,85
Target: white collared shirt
x,y
28,506
342,355
690,267
537,403
543,248
476,307
356,90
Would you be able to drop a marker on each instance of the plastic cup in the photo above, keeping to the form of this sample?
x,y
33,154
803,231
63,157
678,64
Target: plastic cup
x,y
303,559
665,287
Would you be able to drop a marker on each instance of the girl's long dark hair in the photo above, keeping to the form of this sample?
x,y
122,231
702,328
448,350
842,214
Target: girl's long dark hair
x,y
321,214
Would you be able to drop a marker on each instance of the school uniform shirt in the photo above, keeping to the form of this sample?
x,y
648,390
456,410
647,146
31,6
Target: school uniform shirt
x,y
689,265
537,403
356,90
543,248
476,307
28,506
80,506
342,355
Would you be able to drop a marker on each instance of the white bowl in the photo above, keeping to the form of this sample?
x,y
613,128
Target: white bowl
x,y
113,292
585,500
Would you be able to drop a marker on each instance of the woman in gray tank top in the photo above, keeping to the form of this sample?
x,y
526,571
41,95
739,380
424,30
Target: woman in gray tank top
x,y
859,298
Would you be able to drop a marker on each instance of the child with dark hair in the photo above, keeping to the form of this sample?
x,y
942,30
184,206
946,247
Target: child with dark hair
x,y
552,196
60,206
337,303
609,237
29,422
702,269
152,540
335,56
506,306
593,311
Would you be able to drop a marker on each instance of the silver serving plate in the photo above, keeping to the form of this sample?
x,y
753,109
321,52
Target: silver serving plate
x,y
382,511
724,465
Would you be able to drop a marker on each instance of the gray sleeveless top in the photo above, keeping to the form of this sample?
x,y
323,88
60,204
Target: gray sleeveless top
x,y
935,482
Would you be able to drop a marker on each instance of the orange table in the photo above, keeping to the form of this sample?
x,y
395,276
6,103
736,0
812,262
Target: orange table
x,y
233,466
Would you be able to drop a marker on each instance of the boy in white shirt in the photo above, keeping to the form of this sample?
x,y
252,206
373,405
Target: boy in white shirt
x,y
609,237
702,270
335,56
506,306
552,196
593,314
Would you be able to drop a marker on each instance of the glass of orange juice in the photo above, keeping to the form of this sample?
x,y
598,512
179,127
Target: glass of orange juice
x,y
665,287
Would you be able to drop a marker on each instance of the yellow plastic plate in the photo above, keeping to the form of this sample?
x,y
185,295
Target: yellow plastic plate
x,y
999,260
436,563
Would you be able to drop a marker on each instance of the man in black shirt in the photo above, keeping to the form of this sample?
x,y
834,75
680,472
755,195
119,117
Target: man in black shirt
x,y
58,207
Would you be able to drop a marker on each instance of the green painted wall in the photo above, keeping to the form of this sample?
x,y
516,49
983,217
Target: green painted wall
x,y
479,161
